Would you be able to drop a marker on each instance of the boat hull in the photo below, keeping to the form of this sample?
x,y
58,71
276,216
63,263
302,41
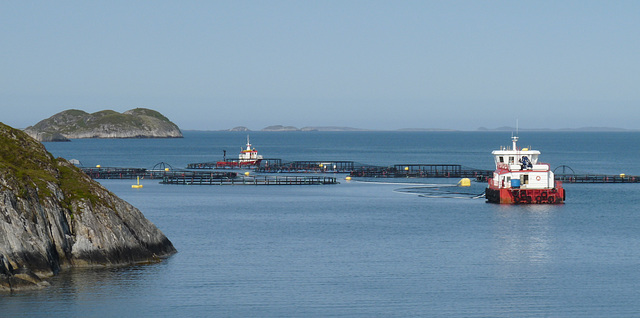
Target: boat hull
x,y
525,196
238,163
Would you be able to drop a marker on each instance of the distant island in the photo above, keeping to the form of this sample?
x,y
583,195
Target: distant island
x,y
593,129
292,128
280,128
426,129
497,129
239,128
77,124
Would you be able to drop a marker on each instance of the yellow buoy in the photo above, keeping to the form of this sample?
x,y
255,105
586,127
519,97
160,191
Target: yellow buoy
x,y
465,182
97,166
348,178
406,168
166,169
137,186
247,173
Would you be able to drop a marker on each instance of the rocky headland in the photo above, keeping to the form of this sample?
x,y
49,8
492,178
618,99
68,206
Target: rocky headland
x,y
53,216
76,124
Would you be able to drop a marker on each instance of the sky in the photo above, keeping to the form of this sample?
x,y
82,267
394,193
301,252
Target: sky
x,y
212,65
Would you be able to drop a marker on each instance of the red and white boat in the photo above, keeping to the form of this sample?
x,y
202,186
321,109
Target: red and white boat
x,y
248,157
520,179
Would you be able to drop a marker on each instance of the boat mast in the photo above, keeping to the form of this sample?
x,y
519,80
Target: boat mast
x,y
515,138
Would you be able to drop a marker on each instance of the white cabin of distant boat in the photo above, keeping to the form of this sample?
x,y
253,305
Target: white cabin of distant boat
x,y
513,163
249,154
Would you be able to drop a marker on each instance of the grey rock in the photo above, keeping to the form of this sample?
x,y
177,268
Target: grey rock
x,y
49,136
53,216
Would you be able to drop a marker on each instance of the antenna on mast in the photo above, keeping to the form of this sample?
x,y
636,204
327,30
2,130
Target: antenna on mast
x,y
514,139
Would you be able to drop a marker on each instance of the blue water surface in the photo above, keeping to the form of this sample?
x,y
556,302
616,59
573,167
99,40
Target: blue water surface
x,y
364,249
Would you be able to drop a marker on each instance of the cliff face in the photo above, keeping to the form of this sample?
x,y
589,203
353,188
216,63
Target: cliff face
x,y
53,216
75,124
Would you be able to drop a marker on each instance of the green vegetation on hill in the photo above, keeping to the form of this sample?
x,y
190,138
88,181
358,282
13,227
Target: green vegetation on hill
x,y
20,168
25,164
147,112
75,112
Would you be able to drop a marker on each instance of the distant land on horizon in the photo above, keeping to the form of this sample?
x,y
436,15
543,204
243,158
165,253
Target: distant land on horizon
x,y
503,128
594,129
292,128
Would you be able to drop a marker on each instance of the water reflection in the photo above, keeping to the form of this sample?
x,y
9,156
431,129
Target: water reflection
x,y
87,280
85,292
525,234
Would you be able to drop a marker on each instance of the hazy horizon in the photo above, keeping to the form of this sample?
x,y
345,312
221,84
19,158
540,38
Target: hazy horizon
x,y
274,127
365,64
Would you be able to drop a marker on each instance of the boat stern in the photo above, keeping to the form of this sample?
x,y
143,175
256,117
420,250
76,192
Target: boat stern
x,y
498,195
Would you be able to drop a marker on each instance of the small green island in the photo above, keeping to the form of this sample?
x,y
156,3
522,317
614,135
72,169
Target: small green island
x,y
76,124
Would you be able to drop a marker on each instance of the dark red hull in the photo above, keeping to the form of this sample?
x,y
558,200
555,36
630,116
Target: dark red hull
x,y
238,164
556,195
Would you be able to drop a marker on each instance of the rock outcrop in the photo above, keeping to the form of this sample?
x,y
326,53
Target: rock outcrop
x,y
280,128
53,216
239,128
75,124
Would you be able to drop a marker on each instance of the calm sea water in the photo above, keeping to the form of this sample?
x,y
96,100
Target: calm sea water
x,y
364,248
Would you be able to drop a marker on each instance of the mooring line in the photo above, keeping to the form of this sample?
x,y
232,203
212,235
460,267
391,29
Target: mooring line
x,y
444,195
424,185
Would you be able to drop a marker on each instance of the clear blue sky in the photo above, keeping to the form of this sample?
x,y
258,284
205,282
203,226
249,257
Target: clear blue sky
x,y
369,64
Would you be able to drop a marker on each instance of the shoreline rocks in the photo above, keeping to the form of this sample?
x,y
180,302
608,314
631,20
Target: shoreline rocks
x,y
53,216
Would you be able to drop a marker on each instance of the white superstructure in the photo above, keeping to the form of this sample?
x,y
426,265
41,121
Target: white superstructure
x,y
520,168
